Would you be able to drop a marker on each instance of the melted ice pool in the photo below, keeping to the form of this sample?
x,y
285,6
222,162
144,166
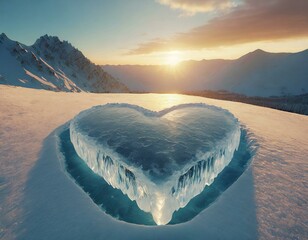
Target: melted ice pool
x,y
159,159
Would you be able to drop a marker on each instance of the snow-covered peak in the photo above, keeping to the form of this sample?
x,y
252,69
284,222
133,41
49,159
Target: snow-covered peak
x,y
55,45
48,38
54,65
6,42
3,37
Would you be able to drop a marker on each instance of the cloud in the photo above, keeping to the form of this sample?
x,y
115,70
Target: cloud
x,y
252,21
190,7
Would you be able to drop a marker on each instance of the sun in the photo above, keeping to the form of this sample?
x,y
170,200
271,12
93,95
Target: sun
x,y
173,58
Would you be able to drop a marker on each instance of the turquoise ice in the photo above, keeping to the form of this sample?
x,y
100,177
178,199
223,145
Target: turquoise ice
x,y
159,159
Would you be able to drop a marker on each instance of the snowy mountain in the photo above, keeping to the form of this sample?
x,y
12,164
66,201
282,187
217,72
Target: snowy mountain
x,y
258,73
264,74
54,65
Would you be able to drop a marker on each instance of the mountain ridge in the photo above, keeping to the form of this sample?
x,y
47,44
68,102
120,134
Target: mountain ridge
x,y
52,64
257,73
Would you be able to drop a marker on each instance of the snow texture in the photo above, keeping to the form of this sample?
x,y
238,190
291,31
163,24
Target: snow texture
x,y
39,200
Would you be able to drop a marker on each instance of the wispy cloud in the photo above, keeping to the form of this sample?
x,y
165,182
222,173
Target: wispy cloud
x,y
252,21
191,7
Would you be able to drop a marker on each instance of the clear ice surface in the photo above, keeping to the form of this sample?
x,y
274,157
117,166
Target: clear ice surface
x,y
159,159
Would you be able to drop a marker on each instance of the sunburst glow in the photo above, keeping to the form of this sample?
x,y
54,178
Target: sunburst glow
x,y
173,58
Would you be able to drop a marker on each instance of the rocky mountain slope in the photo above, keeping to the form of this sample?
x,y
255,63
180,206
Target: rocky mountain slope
x,y
54,65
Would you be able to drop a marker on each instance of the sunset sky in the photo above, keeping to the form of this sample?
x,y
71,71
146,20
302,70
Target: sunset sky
x,y
161,31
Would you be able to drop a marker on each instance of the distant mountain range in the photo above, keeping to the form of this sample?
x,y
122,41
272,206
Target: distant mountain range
x,y
258,73
54,65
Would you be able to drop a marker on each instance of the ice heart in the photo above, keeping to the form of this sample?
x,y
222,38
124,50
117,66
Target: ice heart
x,y
160,159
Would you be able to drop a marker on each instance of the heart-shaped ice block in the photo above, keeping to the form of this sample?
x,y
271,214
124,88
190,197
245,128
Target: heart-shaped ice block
x,y
160,159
